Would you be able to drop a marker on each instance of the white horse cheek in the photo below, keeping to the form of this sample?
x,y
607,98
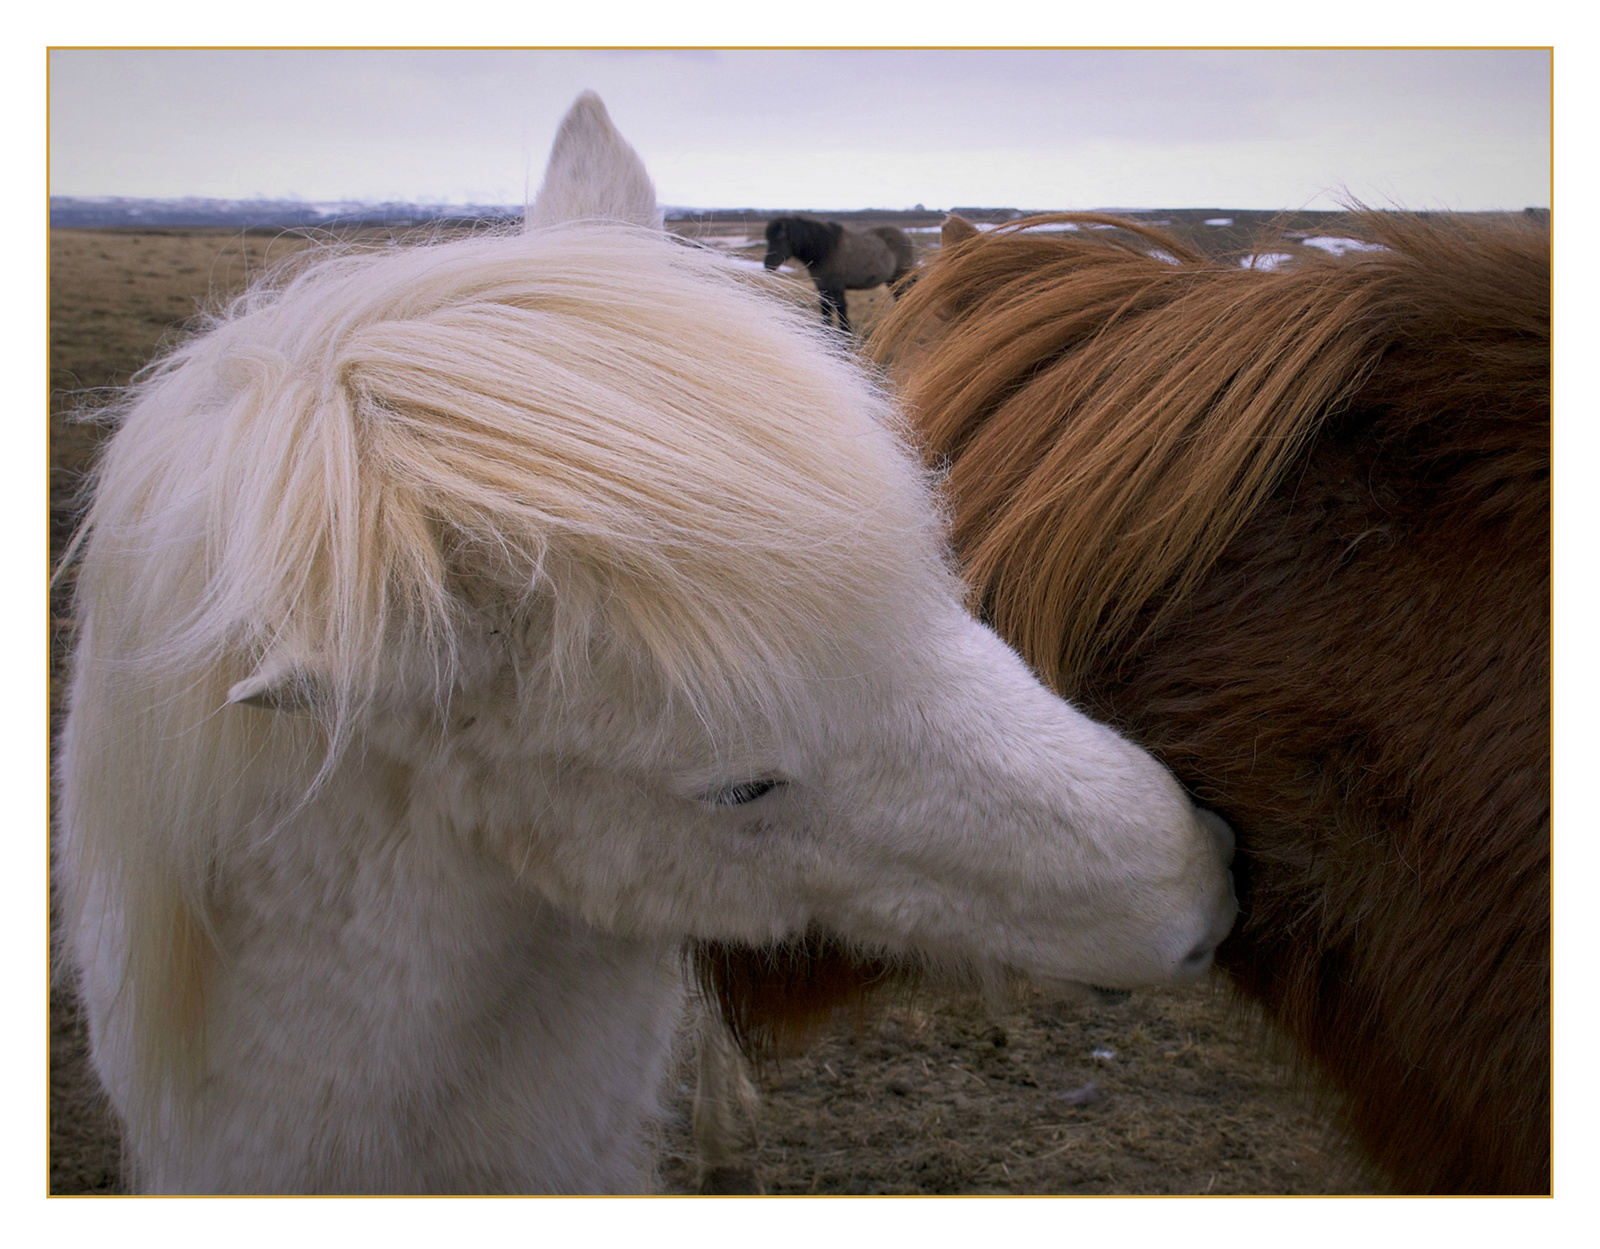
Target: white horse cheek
x,y
622,850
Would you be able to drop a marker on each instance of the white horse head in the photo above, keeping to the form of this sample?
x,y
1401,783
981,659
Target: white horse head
x,y
464,626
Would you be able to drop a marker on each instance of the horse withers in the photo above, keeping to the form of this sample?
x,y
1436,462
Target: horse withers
x,y
456,638
839,259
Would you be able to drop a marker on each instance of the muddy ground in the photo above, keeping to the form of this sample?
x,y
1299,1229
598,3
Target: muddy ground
x,y
1169,1092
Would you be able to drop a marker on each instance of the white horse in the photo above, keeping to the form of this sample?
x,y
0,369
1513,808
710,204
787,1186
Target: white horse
x,y
463,627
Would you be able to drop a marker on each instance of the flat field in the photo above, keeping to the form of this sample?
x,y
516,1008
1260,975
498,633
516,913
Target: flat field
x,y
1167,1092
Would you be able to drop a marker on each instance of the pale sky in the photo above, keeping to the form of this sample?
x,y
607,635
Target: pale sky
x,y
1441,129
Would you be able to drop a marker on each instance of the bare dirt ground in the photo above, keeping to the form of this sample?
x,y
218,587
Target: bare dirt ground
x,y
1167,1092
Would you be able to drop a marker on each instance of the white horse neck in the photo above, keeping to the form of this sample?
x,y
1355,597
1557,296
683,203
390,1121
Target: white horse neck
x,y
391,1011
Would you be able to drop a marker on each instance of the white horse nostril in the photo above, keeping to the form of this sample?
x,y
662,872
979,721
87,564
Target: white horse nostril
x,y
1200,957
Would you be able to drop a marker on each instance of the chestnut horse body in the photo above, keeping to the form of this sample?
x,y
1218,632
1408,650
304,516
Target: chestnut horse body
x,y
1290,531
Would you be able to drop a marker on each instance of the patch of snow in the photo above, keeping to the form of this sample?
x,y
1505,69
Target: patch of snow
x,y
1219,221
1265,260
722,245
1054,227
986,226
1340,246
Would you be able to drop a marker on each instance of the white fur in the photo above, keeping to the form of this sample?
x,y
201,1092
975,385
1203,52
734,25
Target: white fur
x,y
427,602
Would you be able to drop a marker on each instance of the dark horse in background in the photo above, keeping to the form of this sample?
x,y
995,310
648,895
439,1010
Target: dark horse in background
x,y
839,259
1290,531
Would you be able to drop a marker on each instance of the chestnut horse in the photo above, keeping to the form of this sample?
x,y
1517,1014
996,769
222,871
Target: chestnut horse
x,y
1290,531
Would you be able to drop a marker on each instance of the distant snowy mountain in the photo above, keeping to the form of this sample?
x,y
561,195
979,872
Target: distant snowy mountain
x,y
108,211
102,212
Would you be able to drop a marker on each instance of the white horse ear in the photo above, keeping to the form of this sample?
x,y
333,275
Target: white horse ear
x,y
593,174
277,685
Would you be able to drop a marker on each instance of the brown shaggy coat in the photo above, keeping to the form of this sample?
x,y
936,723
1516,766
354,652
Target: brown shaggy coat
x,y
1289,530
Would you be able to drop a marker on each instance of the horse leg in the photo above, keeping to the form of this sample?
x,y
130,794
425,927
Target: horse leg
x,y
726,1104
833,301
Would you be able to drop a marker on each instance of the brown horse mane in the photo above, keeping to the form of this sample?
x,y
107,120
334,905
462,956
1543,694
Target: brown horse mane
x,y
1154,398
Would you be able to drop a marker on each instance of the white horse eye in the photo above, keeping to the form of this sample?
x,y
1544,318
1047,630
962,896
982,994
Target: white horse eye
x,y
743,792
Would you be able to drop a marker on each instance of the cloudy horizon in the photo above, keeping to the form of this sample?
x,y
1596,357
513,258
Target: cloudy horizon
x,y
1455,129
